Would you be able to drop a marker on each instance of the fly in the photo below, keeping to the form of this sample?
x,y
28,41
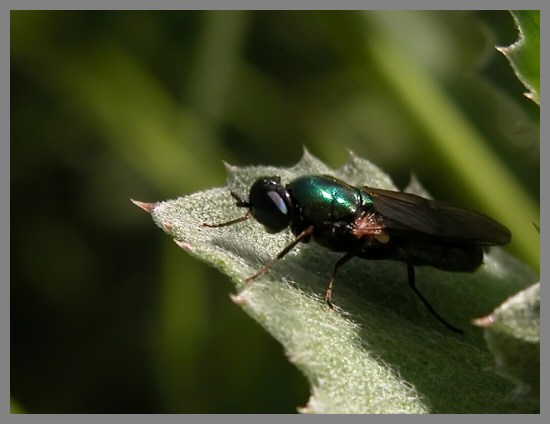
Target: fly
x,y
370,223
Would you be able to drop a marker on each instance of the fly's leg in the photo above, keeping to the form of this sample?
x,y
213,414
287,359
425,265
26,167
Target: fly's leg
x,y
303,235
412,285
338,264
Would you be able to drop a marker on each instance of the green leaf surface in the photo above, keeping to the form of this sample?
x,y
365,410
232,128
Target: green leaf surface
x,y
379,351
524,54
512,332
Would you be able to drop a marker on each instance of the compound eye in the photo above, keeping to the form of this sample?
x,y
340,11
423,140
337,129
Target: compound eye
x,y
270,204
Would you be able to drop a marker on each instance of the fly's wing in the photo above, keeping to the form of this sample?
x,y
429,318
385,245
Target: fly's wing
x,y
407,214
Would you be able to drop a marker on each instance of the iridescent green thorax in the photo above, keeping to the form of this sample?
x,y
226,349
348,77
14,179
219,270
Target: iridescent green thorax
x,y
325,198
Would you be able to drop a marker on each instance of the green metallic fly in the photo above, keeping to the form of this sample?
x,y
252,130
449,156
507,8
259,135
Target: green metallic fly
x,y
371,223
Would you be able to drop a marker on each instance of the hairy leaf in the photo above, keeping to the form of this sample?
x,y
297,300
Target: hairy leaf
x,y
379,351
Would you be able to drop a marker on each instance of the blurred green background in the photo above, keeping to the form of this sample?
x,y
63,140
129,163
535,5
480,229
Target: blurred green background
x,y
107,314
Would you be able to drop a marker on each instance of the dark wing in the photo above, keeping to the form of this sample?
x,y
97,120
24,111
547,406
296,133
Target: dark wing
x,y
406,214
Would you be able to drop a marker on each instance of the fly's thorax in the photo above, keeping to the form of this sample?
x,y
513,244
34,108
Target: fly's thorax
x,y
322,198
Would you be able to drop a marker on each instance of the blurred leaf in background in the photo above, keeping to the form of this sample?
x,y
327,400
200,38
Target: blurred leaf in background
x,y
107,315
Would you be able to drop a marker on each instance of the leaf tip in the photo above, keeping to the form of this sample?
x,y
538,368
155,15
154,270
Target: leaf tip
x,y
183,245
484,322
307,158
237,299
351,155
147,207
230,169
504,50
308,409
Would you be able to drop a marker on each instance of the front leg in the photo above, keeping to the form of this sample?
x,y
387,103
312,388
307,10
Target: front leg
x,y
302,236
